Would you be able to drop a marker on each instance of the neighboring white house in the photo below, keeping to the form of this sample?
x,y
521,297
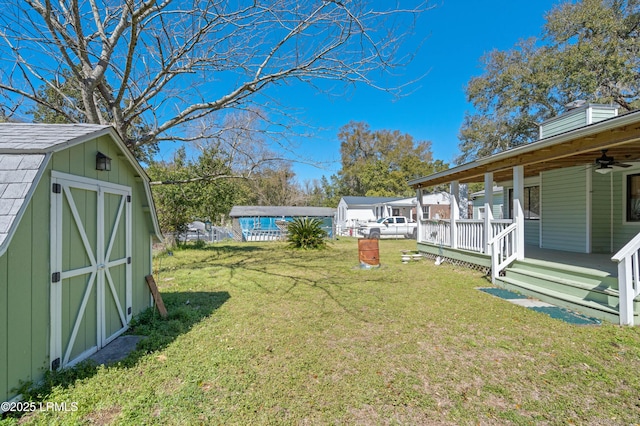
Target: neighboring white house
x,y
353,210
434,206
403,207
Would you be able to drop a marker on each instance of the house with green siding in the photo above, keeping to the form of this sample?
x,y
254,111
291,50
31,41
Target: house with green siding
x,y
476,200
77,223
570,224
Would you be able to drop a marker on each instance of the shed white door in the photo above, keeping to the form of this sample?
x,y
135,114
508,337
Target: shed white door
x,y
90,266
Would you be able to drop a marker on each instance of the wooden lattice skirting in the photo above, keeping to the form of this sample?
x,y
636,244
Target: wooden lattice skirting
x,y
484,269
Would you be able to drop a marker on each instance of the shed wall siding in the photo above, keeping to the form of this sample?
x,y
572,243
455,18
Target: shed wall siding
x,y
564,209
24,301
4,328
25,274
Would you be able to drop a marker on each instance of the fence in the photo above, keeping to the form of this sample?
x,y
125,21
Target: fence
x,y
214,235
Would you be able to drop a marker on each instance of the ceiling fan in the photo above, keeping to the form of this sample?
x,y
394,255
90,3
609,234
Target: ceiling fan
x,y
605,162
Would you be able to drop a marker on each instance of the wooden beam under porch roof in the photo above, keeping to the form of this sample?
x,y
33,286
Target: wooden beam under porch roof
x,y
619,135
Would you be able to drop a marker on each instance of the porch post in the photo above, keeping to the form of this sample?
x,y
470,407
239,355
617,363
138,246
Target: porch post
x,y
487,235
419,213
518,209
455,212
625,296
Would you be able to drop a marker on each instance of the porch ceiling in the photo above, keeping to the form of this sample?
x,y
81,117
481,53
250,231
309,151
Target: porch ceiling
x,y
620,135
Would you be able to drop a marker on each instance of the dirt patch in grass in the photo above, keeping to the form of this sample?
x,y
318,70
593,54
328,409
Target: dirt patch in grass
x,y
104,416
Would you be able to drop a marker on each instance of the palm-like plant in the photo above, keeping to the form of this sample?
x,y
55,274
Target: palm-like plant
x,y
306,233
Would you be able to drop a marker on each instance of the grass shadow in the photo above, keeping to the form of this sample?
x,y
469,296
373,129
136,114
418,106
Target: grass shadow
x,y
185,309
216,247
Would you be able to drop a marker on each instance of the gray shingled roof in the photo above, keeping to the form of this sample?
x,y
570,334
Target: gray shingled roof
x,y
17,175
278,211
36,137
368,201
22,151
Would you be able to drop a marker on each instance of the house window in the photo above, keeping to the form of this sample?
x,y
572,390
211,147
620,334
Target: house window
x,y
633,198
425,212
395,212
531,206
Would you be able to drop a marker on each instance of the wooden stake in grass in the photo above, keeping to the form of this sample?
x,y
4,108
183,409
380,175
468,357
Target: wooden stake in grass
x,y
156,295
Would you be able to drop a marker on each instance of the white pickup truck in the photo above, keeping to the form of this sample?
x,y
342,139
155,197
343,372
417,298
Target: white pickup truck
x,y
394,226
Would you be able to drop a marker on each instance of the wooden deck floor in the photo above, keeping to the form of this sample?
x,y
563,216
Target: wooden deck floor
x,y
601,262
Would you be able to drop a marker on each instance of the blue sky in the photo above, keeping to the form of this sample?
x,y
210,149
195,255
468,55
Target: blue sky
x,y
458,33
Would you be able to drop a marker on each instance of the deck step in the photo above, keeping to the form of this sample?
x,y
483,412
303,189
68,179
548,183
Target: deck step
x,y
587,288
561,298
577,273
590,291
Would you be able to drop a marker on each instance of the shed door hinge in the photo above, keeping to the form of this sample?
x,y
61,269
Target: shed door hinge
x,y
55,364
55,277
128,198
129,310
129,260
56,188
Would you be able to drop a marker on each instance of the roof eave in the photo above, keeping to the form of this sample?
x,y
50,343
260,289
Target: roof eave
x,y
605,125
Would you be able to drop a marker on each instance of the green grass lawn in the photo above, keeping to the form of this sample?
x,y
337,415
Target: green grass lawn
x,y
261,334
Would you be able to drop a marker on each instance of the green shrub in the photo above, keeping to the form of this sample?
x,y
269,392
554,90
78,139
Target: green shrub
x,y
306,233
199,244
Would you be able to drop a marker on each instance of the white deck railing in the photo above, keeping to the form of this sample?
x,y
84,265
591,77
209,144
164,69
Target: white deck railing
x,y
499,225
471,234
503,250
628,278
436,231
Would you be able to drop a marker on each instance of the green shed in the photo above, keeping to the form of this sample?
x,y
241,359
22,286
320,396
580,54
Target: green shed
x,y
77,223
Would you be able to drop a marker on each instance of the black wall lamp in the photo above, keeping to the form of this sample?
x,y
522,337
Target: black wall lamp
x,y
103,163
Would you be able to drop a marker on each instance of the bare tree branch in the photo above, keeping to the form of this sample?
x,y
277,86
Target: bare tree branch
x,y
157,65
196,179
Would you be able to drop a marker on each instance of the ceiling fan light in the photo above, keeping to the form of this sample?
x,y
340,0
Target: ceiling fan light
x,y
604,169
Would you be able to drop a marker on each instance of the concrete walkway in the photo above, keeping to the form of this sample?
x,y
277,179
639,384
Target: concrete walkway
x,y
117,350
